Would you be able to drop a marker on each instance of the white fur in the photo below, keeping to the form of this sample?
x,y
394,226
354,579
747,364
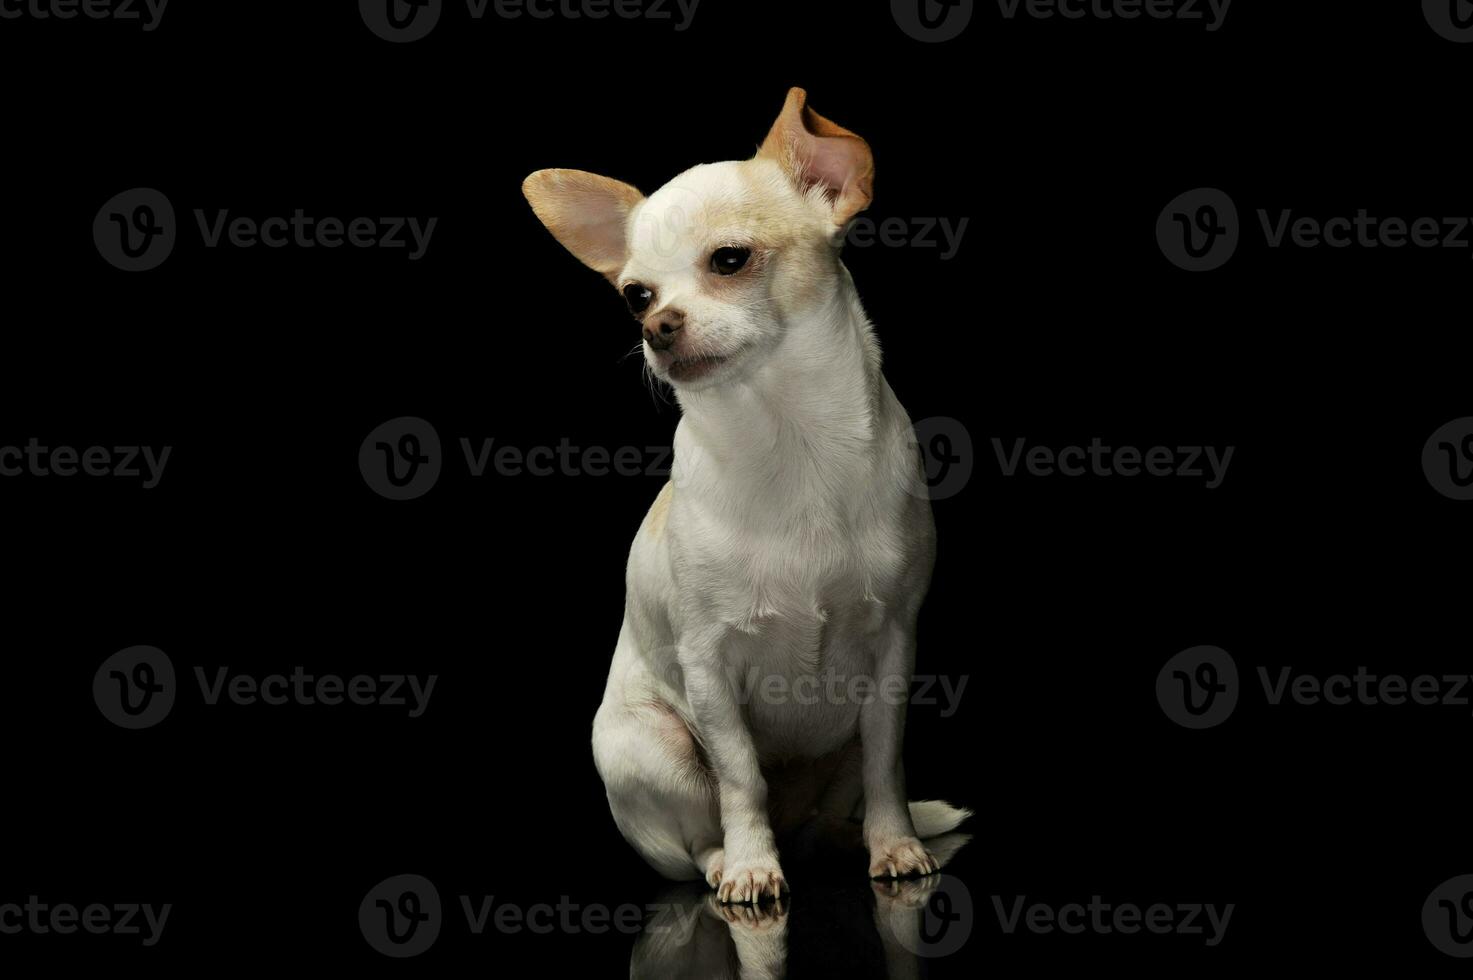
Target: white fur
x,y
794,541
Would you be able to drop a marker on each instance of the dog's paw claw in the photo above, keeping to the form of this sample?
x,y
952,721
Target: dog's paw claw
x,y
910,893
901,859
750,883
755,917
713,861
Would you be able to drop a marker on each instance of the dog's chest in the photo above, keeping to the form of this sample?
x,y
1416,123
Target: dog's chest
x,y
803,677
805,614
806,574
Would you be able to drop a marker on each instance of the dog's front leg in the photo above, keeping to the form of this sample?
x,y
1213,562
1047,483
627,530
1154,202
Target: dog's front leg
x,y
748,867
890,835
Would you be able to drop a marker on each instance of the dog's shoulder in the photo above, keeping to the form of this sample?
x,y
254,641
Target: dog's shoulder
x,y
659,512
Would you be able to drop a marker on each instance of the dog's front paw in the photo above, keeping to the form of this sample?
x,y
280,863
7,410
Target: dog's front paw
x,y
901,858
752,918
748,882
895,894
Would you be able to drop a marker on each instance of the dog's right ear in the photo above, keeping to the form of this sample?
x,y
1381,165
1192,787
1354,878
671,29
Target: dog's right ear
x,y
587,213
817,152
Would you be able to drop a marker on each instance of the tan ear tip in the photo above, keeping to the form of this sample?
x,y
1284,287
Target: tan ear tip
x,y
536,182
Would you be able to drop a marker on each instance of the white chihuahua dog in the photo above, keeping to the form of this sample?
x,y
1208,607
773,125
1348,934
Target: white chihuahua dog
x,y
761,675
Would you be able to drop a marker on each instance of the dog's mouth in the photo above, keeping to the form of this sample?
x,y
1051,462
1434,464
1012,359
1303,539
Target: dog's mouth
x,y
691,368
696,365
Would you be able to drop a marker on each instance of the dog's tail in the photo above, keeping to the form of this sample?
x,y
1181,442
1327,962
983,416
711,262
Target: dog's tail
x,y
936,824
934,821
935,817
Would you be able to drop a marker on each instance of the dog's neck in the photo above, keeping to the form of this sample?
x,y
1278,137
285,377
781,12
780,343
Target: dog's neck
x,y
803,425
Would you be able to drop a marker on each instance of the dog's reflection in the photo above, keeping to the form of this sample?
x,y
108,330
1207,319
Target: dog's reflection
x,y
854,932
693,935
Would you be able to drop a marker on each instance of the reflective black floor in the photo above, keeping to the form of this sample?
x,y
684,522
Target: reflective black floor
x,y
833,924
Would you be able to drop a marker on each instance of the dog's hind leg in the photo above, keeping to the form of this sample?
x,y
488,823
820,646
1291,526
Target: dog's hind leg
x,y
661,792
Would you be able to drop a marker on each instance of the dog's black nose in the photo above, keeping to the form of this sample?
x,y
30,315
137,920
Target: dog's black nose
x,y
660,332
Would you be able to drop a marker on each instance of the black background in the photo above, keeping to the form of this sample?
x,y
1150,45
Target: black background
x,y
1059,600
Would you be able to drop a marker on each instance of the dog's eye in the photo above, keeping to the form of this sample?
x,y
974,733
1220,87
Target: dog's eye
x,y
638,297
727,261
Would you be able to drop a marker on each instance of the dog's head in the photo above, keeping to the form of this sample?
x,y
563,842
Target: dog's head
x,y
719,262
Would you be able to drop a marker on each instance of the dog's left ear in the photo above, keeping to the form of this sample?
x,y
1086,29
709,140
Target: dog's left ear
x,y
587,213
817,152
